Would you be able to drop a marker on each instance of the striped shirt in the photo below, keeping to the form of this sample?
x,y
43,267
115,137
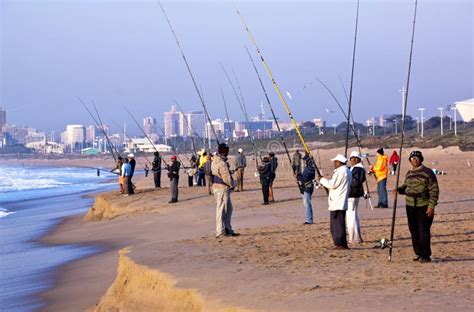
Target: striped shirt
x,y
420,187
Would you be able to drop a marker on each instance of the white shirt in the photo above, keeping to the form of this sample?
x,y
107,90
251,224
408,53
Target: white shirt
x,y
339,187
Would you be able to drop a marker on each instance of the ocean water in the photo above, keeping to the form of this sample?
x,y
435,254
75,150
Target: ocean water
x,y
32,201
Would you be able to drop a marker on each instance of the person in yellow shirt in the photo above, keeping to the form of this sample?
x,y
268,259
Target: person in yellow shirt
x,y
380,170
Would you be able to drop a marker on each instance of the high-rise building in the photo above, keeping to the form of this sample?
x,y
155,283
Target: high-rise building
x,y
74,134
149,125
90,134
3,119
197,122
172,122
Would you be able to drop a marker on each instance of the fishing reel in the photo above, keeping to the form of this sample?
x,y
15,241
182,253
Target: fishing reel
x,y
366,195
383,243
317,185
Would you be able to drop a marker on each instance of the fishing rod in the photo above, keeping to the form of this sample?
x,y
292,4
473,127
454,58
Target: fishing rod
x,y
277,89
227,116
103,131
143,131
189,71
273,112
392,231
187,126
101,126
131,140
244,111
352,80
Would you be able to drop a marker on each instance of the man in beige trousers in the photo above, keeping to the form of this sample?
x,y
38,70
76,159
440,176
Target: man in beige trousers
x,y
222,185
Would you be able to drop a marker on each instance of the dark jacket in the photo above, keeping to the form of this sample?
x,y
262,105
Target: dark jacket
x,y
156,164
358,179
265,173
307,177
273,165
174,170
133,163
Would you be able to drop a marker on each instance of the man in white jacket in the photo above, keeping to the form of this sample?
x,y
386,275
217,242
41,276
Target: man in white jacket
x,y
339,186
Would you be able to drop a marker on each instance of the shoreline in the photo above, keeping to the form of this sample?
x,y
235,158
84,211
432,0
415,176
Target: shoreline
x,y
177,240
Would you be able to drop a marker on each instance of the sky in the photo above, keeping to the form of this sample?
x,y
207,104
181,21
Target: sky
x,y
122,53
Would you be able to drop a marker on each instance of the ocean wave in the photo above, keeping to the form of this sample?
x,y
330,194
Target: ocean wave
x,y
4,212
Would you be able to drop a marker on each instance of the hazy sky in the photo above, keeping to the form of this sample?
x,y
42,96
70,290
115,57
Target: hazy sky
x,y
122,53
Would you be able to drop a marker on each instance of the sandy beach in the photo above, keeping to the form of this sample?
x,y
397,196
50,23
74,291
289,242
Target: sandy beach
x,y
164,257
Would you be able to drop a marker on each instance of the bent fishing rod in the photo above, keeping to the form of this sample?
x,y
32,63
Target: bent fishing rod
x,y
277,89
131,140
143,131
103,131
188,67
244,111
392,231
101,125
352,80
273,112
227,116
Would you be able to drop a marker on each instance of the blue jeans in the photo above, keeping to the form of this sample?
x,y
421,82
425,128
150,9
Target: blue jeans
x,y
382,192
308,207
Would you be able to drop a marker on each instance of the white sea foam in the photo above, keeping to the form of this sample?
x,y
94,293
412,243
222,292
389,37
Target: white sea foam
x,y
4,213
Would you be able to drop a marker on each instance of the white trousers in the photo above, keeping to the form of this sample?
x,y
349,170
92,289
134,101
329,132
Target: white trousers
x,y
223,210
352,221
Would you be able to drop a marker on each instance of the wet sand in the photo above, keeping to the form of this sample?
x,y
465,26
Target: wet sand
x,y
277,264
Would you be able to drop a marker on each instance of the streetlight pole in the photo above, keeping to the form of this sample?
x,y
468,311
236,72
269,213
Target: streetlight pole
x,y
422,121
441,119
334,125
454,109
417,125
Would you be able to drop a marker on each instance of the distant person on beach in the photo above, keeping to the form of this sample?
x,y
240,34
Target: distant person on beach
x,y
422,192
264,171
307,185
296,163
118,166
156,168
173,174
273,168
381,170
240,165
356,192
208,173
126,175
222,186
147,169
192,170
200,171
394,159
339,187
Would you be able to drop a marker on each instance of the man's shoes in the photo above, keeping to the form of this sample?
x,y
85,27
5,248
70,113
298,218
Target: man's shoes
x,y
266,203
425,259
307,223
416,258
221,235
172,201
232,234
341,247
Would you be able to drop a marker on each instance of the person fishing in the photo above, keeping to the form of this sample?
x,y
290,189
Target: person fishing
x,y
222,186
208,173
356,192
173,174
264,171
339,187
240,164
394,159
118,166
192,170
127,181
133,163
296,163
422,191
156,168
273,168
380,170
306,181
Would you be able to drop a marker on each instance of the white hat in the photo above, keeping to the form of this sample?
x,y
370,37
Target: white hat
x,y
240,150
355,154
130,155
340,158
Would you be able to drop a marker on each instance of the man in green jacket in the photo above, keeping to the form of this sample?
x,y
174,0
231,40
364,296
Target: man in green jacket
x,y
422,191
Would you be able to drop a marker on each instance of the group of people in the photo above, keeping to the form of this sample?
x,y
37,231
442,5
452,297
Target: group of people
x,y
345,188
126,169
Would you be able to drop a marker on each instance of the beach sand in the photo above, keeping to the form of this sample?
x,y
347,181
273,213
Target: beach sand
x,y
174,263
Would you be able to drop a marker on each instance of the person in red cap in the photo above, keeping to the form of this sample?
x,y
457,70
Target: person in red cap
x,y
173,174
394,160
